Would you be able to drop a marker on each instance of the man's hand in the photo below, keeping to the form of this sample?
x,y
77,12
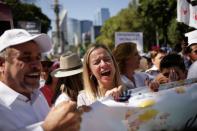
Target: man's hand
x,y
64,117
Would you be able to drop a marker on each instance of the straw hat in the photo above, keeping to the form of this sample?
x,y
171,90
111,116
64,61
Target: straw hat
x,y
70,64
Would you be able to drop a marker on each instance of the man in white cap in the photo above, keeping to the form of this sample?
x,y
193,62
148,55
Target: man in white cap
x,y
22,106
192,45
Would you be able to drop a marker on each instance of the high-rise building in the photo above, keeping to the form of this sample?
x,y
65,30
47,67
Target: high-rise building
x,y
73,31
86,26
95,32
101,16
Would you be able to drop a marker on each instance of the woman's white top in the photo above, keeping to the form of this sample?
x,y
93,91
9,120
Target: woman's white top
x,y
83,99
62,97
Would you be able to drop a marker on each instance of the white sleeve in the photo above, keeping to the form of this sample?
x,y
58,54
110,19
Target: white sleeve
x,y
62,97
80,100
33,127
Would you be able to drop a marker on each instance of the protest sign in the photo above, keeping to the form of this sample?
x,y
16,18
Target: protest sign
x,y
135,37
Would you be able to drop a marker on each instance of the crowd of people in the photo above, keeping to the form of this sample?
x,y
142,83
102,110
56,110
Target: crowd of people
x,y
37,93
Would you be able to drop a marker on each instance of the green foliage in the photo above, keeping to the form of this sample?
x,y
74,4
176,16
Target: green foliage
x,y
126,21
149,17
176,31
174,34
28,12
159,14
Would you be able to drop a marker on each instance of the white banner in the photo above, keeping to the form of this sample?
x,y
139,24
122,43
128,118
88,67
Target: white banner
x,y
193,16
183,11
170,109
135,37
187,12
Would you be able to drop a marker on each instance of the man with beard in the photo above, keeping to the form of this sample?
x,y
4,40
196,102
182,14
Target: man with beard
x,y
22,106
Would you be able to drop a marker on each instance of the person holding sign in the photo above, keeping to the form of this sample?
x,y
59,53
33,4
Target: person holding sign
x,y
100,75
22,105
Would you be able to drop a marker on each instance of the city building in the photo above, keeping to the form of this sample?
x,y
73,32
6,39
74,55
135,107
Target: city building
x,y
73,31
86,26
95,32
101,16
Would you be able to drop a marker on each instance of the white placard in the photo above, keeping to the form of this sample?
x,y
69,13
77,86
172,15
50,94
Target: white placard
x,y
135,37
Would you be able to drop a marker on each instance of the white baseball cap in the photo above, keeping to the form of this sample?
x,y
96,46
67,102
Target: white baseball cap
x,y
19,36
192,37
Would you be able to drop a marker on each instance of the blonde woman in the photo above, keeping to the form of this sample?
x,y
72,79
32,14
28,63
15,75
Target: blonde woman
x,y
101,75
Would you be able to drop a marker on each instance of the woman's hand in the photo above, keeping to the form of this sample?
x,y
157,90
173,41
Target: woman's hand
x,y
154,86
115,92
161,79
173,76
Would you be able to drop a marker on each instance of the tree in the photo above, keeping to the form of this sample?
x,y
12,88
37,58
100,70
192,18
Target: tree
x,y
158,13
149,17
28,12
127,20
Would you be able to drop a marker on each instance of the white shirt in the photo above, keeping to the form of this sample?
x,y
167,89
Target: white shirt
x,y
139,78
153,71
62,97
192,72
42,82
82,99
19,113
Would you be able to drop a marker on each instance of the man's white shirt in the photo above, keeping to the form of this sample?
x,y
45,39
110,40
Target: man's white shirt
x,y
17,112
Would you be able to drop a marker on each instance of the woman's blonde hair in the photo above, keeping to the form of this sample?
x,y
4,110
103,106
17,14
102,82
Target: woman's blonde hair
x,y
122,52
90,81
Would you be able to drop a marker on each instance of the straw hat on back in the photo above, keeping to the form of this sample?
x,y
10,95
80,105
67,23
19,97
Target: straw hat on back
x,y
70,64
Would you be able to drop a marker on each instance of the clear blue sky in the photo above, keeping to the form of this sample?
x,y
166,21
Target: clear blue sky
x,y
82,9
